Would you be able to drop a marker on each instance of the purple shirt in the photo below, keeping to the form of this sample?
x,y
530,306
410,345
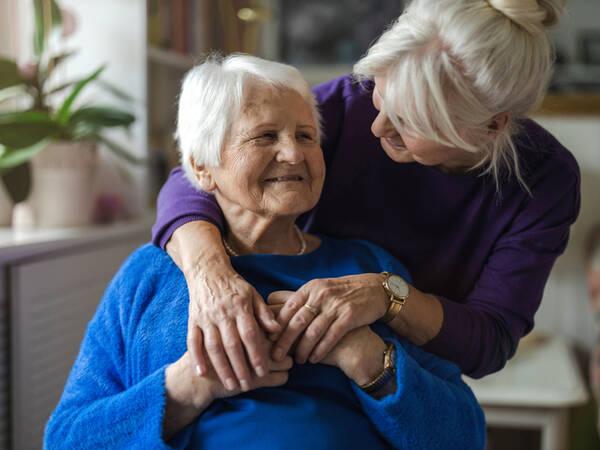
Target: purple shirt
x,y
485,256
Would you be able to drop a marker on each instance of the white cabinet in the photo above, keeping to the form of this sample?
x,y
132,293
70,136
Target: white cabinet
x,y
49,291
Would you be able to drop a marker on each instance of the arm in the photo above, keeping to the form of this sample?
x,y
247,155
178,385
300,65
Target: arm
x,y
431,406
426,405
98,409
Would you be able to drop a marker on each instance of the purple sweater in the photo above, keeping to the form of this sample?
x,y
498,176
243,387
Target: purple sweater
x,y
485,256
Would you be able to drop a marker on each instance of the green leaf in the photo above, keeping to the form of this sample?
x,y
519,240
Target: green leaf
x,y
17,182
62,116
61,87
41,29
102,116
26,128
120,151
116,91
15,157
9,74
53,63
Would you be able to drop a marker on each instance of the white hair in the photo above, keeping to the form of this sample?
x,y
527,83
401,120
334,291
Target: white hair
x,y
452,66
212,97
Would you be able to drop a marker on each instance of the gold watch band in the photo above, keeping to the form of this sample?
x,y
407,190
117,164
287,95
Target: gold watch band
x,y
396,303
389,369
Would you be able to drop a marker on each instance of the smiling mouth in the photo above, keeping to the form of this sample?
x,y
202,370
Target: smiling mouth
x,y
395,144
286,178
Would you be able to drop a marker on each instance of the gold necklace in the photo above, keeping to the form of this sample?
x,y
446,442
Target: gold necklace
x,y
299,233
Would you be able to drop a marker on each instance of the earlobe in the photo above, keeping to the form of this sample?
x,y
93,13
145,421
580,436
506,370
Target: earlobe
x,y
203,176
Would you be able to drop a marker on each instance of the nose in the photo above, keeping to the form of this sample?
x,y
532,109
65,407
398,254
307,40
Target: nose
x,y
382,126
290,151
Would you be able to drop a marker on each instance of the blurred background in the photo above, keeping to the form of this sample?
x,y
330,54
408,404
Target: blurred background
x,y
108,73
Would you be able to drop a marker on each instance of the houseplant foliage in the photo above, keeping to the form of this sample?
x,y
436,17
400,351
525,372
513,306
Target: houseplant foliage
x,y
40,118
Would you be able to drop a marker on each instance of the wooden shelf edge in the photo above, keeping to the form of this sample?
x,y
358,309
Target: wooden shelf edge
x,y
570,105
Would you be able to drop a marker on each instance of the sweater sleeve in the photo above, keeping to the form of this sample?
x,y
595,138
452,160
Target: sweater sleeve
x,y
480,333
98,409
431,408
178,203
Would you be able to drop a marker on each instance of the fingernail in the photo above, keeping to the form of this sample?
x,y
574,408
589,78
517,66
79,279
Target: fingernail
x,y
278,354
245,385
229,384
313,359
260,371
198,370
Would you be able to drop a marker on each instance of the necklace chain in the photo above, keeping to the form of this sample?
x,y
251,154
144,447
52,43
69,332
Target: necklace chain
x,y
299,233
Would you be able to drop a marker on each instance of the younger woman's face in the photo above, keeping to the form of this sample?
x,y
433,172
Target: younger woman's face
x,y
403,146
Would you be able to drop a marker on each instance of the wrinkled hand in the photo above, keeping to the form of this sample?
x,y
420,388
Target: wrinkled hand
x,y
188,395
225,319
344,304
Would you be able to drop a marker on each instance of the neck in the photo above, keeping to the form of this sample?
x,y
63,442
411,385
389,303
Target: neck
x,y
249,233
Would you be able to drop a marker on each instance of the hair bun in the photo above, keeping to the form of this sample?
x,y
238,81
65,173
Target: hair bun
x,y
532,15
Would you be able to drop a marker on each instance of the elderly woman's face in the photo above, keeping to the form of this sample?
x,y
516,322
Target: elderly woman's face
x,y
272,162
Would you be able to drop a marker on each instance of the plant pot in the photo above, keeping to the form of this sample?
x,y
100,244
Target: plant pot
x,y
6,206
62,181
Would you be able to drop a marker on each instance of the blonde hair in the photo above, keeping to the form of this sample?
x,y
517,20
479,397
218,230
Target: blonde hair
x,y
212,96
451,66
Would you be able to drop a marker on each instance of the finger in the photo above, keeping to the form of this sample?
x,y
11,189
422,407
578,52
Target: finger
x,y
293,303
279,297
285,364
312,336
235,352
265,316
273,379
298,323
275,309
333,335
196,351
254,343
218,358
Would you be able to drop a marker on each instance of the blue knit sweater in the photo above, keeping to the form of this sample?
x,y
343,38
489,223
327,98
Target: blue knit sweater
x,y
115,394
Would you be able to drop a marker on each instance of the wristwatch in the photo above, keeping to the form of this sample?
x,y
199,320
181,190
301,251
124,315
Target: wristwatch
x,y
398,290
388,372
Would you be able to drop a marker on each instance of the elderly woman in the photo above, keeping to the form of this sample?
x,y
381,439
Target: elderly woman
x,y
432,157
249,134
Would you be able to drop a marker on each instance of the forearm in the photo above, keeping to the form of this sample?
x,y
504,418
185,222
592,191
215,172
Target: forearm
x,y
196,245
420,319
187,397
429,407
478,341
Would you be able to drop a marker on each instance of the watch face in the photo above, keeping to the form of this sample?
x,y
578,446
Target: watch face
x,y
398,286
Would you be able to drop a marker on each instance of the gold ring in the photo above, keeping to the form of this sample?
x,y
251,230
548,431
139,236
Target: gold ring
x,y
312,309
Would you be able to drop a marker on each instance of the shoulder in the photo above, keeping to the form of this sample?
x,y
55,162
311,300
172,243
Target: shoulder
x,y
342,89
543,157
146,271
371,257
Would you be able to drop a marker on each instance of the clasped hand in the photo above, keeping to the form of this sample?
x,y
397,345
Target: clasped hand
x,y
229,322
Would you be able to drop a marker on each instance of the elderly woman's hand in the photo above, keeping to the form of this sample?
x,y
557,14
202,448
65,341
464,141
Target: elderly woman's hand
x,y
227,317
188,395
359,354
337,306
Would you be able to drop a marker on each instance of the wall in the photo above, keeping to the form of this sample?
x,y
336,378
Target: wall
x,y
565,309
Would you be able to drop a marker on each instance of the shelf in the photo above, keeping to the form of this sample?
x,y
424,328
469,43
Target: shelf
x,y
16,245
170,58
570,105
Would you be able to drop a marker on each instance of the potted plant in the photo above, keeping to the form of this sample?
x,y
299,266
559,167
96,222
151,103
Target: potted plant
x,y
53,142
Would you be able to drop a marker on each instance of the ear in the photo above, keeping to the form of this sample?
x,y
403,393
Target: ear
x,y
498,123
203,176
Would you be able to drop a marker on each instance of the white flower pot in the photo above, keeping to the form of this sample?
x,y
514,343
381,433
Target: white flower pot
x,y
6,206
62,184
